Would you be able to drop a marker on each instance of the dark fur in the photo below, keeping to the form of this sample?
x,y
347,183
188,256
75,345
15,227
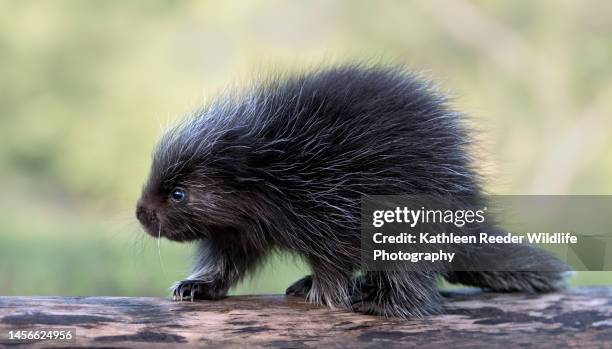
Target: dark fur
x,y
284,166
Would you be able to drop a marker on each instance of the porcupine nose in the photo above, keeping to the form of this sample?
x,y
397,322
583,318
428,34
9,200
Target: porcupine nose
x,y
145,214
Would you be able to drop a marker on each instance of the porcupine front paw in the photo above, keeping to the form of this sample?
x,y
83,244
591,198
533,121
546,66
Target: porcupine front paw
x,y
186,290
195,289
300,288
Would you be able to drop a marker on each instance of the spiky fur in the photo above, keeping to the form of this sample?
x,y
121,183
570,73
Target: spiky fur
x,y
285,164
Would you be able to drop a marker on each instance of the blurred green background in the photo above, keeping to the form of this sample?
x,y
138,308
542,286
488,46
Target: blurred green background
x,y
86,86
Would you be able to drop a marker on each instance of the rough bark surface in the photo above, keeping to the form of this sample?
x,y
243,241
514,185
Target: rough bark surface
x,y
575,318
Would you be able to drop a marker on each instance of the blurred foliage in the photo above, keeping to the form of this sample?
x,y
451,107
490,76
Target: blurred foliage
x,y
86,86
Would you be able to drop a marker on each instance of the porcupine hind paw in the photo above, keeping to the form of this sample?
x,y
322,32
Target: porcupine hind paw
x,y
370,297
300,288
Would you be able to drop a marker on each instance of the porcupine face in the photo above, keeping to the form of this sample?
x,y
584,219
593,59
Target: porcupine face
x,y
191,191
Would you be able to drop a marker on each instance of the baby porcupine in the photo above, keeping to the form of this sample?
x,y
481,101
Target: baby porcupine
x,y
284,165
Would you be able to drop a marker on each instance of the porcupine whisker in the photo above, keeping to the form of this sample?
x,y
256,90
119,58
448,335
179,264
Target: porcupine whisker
x,y
161,262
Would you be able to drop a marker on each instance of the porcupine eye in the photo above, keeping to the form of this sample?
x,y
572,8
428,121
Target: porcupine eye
x,y
178,194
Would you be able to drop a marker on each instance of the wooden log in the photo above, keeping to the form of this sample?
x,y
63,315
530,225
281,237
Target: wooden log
x,y
575,318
